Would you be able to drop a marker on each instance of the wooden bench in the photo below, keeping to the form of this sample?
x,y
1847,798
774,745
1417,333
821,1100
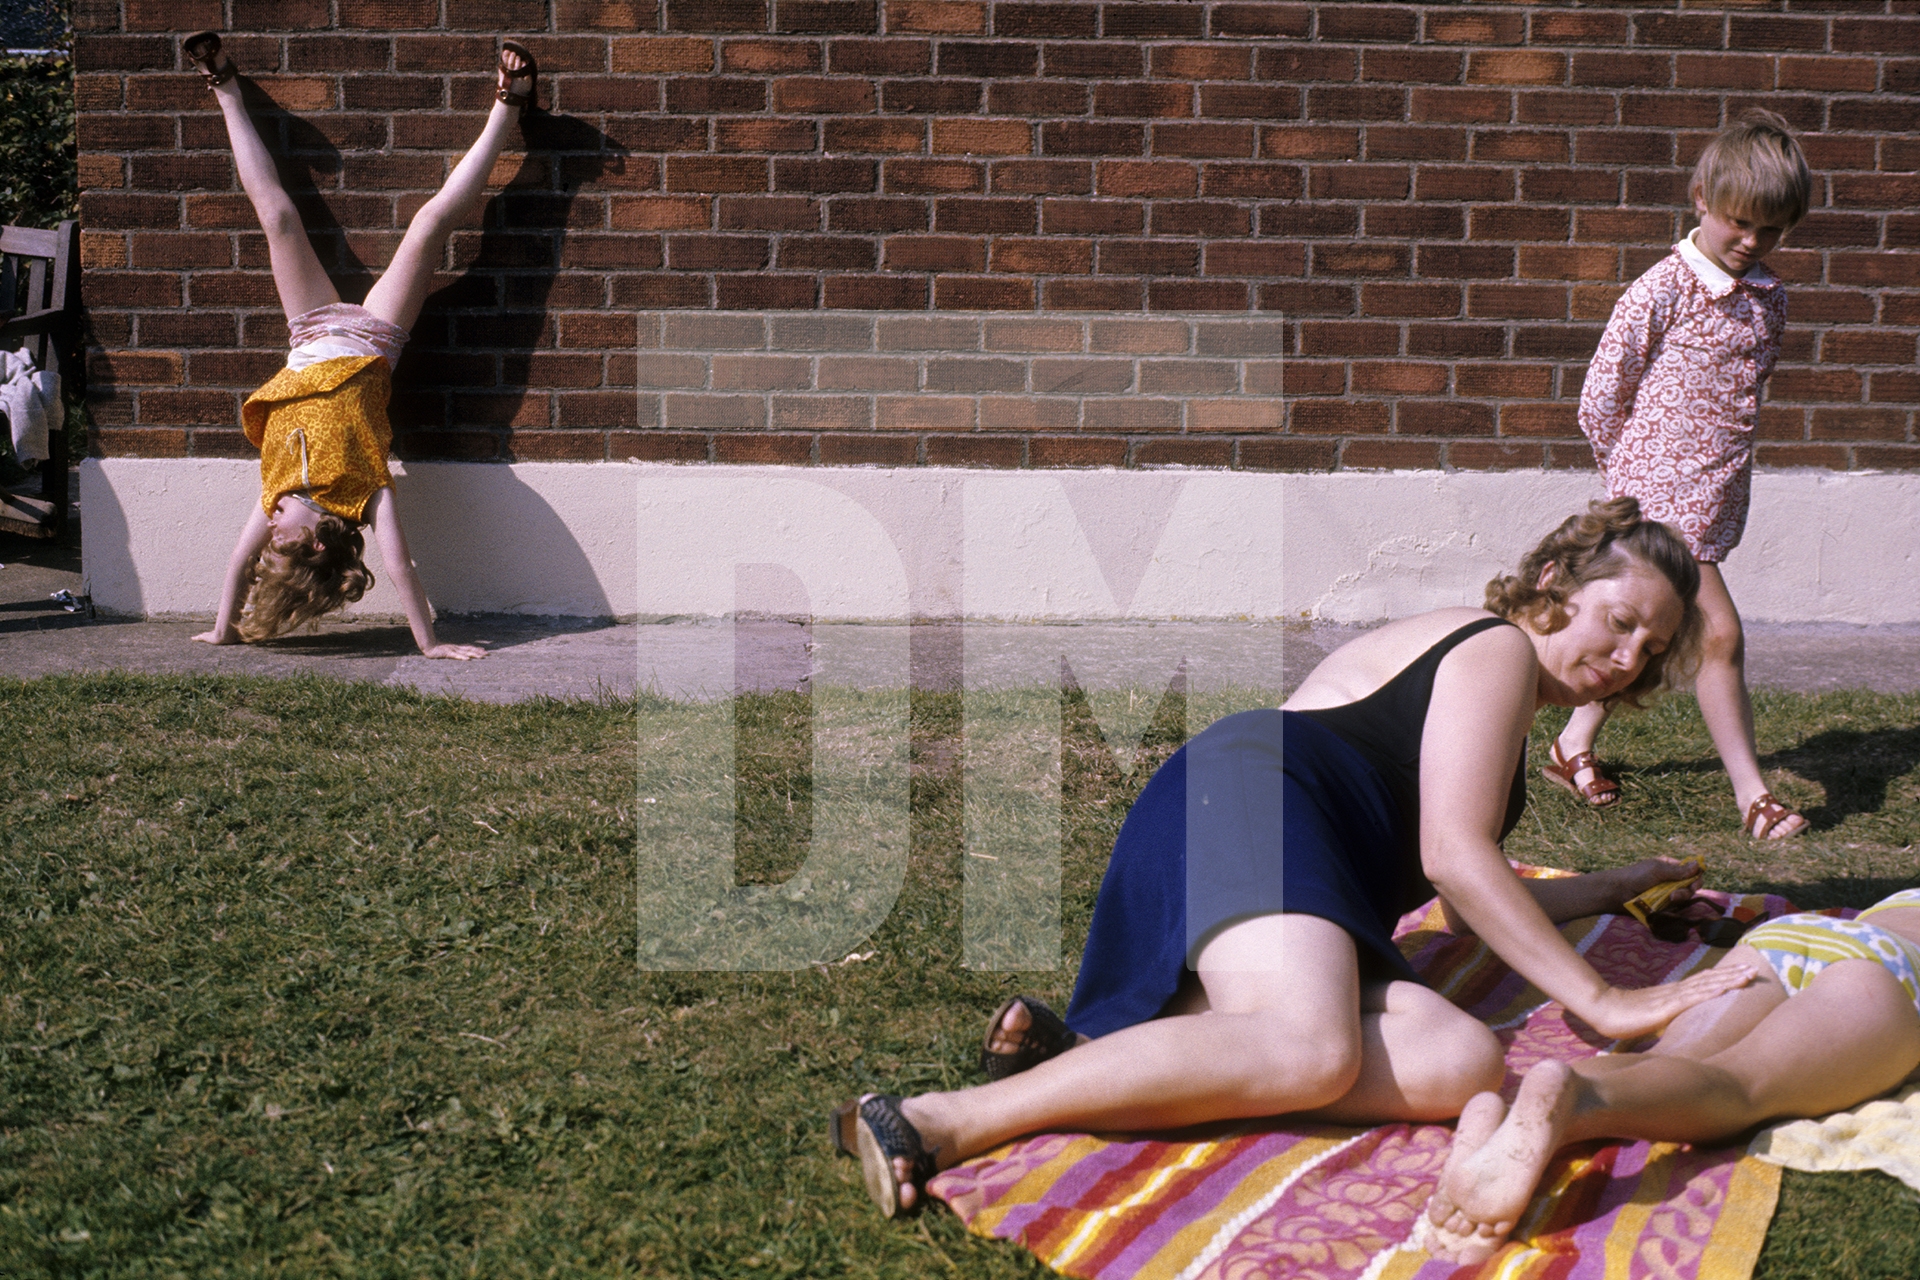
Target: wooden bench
x,y
40,313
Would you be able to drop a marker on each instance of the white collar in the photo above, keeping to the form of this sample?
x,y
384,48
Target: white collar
x,y
1714,276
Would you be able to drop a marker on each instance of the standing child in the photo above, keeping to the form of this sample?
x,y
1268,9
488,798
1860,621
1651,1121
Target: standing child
x,y
321,423
1669,404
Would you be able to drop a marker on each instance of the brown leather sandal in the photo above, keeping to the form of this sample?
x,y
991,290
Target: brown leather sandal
x,y
203,50
530,74
1599,790
1766,813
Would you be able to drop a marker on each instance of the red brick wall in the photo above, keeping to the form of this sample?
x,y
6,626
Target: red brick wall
x,y
1441,201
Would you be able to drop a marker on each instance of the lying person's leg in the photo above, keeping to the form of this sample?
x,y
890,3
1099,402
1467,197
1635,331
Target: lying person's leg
x,y
401,291
1284,1033
1853,1033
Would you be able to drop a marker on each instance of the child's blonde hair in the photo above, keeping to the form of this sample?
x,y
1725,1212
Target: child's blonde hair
x,y
318,573
1754,167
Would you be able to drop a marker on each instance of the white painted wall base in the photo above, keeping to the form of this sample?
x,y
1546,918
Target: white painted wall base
x,y
651,541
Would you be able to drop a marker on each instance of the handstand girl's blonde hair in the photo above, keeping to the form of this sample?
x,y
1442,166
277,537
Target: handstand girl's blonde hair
x,y
313,576
1754,167
1609,539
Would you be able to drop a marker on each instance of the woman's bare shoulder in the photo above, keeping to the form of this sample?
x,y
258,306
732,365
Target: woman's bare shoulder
x,y
1363,664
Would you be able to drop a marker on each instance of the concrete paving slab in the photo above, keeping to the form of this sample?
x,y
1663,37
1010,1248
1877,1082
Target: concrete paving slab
x,y
700,659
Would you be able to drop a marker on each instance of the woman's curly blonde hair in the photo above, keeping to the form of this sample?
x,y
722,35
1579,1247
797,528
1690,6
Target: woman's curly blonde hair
x,y
1609,539
301,581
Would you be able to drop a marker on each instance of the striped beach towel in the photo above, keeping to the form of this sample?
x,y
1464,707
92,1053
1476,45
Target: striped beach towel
x,y
1265,1199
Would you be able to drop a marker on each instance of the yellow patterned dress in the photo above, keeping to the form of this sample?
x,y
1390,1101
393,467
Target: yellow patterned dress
x,y
323,430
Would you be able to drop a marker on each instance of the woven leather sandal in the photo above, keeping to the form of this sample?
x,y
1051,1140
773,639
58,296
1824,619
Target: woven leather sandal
x,y
1045,1037
1599,790
508,77
882,1135
1766,813
203,50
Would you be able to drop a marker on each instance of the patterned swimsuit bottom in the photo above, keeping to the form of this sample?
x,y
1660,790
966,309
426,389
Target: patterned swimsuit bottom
x,y
1798,947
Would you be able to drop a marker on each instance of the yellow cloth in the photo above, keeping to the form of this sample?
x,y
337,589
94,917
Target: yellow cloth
x,y
1651,900
1883,1134
324,429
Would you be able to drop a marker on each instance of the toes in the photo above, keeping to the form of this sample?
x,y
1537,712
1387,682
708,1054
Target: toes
x,y
903,1174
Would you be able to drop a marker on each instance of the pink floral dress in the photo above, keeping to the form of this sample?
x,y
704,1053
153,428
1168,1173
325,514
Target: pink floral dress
x,y
1671,396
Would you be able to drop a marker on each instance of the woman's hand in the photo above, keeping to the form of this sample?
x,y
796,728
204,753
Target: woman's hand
x,y
458,652
1624,1013
1641,876
219,635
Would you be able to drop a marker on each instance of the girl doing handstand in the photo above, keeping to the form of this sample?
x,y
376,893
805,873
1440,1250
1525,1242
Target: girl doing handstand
x,y
321,423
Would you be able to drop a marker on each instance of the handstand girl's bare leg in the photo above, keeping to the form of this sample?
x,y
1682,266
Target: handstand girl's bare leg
x,y
297,274
1284,1032
402,288
1850,1035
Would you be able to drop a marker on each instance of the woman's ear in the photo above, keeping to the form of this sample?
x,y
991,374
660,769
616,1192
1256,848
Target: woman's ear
x,y
1548,576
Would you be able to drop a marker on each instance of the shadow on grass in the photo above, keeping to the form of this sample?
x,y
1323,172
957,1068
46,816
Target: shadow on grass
x,y
1855,767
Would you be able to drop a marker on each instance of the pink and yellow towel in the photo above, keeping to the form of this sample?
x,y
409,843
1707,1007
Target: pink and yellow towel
x,y
1325,1203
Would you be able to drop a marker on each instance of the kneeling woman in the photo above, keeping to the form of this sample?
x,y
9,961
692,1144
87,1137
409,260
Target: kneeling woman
x,y
1240,961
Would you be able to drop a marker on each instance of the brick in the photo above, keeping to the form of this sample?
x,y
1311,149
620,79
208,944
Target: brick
x,y
1456,341
1506,223
885,214
1041,177
1363,259
1188,377
1416,142
1371,102
1564,110
1516,66
1426,301
826,176
982,137
1309,142
288,15
1081,376
1154,100
1131,415
1082,451
1861,423
766,57
986,59
1898,388
1462,106
827,253
870,293
1029,413
706,174
826,15
1349,338
1308,299
1092,295
1360,182
1777,33
1064,21
1200,217
823,94
1412,66
1519,146
934,253
1415,222
1203,140
1288,455
1160,178
923,413
1036,98
1292,21
1538,420
1201,62
821,413
936,17
764,135
932,176
1122,61
716,15
1042,255
129,442
876,136
1297,65
1722,71
949,96
1339,417
1844,347
1105,139
868,373
1250,101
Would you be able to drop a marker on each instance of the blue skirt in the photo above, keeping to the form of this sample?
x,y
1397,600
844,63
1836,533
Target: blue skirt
x,y
1262,812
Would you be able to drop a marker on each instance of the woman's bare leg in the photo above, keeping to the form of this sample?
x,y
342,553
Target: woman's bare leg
x,y
1725,703
402,288
1284,1033
1850,1035
297,274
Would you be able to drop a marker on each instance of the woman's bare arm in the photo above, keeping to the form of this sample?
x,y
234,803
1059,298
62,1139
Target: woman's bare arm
x,y
233,592
383,517
1483,703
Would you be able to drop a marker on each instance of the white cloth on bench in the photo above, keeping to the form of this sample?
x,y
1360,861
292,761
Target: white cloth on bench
x,y
30,402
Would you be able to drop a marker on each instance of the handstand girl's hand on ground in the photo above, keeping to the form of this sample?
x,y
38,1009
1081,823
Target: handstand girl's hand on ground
x,y
458,652
217,636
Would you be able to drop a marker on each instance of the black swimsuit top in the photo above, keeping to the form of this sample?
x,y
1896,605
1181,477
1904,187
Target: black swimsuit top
x,y
1387,724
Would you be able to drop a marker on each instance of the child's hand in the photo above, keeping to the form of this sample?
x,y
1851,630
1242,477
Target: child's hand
x,y
458,652
216,636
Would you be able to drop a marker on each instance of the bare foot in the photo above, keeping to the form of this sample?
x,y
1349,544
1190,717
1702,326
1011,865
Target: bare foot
x,y
1009,1035
932,1139
1495,1165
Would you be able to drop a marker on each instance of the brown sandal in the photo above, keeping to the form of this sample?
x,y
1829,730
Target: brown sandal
x,y
203,50
530,73
1766,813
1599,791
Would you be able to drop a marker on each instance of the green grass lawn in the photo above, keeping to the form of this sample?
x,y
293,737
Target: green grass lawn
x,y
304,978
